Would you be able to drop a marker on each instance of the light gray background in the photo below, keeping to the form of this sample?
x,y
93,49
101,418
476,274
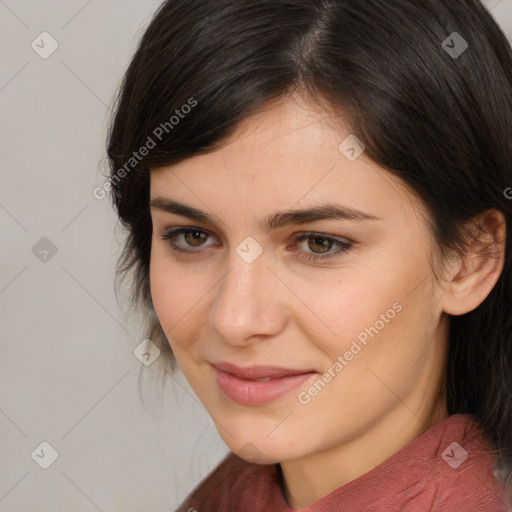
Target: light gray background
x,y
68,375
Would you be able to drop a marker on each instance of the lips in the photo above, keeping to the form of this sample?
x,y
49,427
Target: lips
x,y
258,372
257,385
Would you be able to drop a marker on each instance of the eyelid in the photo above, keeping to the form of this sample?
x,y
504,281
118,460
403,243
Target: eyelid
x,y
306,234
172,233
301,235
343,244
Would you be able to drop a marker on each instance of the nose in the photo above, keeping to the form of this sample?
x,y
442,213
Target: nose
x,y
249,303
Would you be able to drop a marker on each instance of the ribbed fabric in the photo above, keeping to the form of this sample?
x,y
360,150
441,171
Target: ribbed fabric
x,y
421,476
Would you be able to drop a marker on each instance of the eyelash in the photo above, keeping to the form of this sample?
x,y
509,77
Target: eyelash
x,y
343,247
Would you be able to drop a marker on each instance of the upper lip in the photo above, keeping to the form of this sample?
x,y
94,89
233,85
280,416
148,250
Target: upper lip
x,y
258,372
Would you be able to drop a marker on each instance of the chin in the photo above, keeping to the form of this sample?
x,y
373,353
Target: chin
x,y
262,446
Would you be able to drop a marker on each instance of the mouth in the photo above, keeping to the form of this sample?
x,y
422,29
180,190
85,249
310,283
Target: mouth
x,y
258,385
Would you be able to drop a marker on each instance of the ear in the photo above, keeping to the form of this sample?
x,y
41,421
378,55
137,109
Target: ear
x,y
472,276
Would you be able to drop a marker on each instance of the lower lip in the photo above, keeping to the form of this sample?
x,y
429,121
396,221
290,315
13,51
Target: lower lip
x,y
250,392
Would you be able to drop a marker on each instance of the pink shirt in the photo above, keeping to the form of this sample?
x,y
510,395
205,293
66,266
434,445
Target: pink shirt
x,y
446,469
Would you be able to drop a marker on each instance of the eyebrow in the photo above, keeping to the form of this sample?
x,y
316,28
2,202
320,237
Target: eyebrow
x,y
274,221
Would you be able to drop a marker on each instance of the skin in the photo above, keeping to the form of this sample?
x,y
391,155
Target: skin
x,y
286,311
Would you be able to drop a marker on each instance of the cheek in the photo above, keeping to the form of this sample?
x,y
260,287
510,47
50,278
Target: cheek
x,y
386,347
179,297
370,315
337,310
170,294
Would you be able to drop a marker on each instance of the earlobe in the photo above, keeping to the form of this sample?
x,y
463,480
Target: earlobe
x,y
476,273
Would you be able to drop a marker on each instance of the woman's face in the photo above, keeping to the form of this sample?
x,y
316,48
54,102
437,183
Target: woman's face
x,y
347,343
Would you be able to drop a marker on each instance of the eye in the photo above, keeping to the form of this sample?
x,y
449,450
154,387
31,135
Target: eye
x,y
193,237
321,245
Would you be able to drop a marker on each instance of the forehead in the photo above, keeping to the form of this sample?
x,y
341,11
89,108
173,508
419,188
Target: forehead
x,y
287,155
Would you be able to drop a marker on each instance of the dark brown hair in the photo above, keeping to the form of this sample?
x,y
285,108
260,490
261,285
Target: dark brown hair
x,y
430,111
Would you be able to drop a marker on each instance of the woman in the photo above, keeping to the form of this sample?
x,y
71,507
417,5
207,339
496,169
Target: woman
x,y
315,194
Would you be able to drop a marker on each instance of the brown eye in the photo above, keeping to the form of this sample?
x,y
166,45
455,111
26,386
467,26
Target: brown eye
x,y
185,239
319,244
195,238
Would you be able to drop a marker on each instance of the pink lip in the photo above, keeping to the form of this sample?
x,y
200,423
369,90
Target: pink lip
x,y
239,385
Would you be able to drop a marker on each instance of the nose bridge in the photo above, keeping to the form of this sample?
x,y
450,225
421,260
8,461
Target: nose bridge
x,y
245,303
